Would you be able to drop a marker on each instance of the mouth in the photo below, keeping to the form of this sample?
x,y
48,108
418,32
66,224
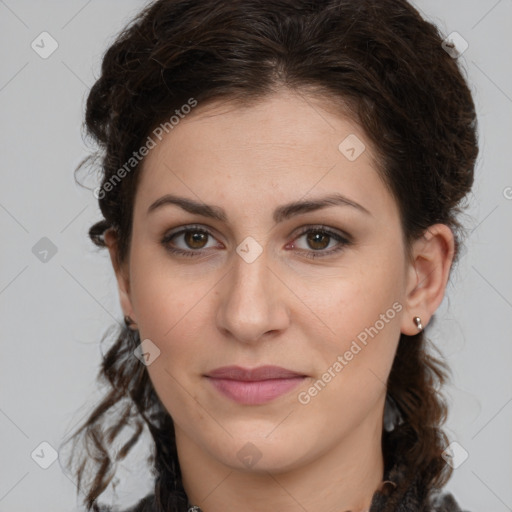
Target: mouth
x,y
254,386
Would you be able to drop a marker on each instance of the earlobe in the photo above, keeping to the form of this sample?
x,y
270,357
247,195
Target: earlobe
x,y
428,273
123,283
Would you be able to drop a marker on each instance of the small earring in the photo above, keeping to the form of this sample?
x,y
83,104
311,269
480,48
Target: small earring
x,y
417,321
129,322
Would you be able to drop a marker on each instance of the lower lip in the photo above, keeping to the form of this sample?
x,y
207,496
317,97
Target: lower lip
x,y
255,392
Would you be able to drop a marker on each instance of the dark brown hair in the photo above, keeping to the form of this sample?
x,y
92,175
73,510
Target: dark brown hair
x,y
378,57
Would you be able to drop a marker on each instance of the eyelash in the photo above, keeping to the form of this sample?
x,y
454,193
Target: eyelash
x,y
343,241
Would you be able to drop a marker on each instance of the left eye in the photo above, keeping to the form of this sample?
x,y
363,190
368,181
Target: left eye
x,y
318,239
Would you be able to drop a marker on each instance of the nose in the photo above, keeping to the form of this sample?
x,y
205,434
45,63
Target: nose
x,y
252,301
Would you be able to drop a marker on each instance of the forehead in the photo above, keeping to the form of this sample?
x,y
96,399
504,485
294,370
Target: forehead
x,y
270,125
284,145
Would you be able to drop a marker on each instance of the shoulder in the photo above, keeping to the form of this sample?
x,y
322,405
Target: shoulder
x,y
440,503
445,503
146,504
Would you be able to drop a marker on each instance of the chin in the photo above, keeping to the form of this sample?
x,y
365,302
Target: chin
x,y
260,454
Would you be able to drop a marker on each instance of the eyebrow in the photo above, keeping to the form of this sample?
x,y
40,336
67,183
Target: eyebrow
x,y
281,213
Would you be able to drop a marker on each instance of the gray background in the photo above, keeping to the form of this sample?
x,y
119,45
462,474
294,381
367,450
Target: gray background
x,y
54,313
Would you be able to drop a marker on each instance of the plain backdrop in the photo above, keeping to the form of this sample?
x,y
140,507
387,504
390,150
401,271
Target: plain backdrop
x,y
54,312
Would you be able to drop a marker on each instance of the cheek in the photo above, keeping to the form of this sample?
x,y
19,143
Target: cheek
x,y
170,313
163,296
364,311
363,291
171,304
356,361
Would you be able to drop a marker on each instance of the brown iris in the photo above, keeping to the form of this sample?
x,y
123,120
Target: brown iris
x,y
196,239
317,237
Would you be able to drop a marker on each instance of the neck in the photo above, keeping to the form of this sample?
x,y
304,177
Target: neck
x,y
343,478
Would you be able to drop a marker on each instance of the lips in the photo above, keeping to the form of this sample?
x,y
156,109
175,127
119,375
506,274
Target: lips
x,y
254,374
254,386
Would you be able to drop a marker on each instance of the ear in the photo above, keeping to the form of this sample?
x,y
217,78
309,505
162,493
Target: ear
x,y
427,276
121,272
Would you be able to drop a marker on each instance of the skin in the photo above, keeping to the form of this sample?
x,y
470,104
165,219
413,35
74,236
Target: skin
x,y
283,308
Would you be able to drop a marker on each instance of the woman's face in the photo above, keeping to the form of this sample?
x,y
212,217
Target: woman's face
x,y
245,290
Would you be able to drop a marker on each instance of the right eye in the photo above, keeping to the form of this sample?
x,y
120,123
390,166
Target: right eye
x,y
194,238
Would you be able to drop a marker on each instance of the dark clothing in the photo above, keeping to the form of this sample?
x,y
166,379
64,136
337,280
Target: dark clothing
x,y
444,503
414,499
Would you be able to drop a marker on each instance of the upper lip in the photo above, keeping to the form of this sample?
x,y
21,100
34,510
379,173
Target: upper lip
x,y
253,374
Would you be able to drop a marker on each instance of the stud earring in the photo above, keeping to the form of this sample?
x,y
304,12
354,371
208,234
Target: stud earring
x,y
129,322
417,321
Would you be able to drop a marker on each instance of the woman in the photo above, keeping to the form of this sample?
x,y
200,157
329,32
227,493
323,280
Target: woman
x,y
280,187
